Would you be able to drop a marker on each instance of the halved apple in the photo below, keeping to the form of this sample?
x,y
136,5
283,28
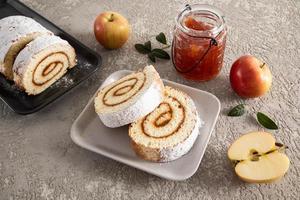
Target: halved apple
x,y
257,158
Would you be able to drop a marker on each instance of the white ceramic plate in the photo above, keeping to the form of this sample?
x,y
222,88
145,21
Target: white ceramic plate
x,y
88,132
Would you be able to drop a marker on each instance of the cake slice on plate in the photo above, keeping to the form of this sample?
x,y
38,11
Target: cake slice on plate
x,y
130,98
169,131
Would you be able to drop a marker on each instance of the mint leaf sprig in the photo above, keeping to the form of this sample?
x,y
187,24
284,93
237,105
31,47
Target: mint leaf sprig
x,y
155,53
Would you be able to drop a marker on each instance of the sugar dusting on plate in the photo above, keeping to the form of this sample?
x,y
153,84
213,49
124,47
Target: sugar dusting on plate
x,y
67,81
64,81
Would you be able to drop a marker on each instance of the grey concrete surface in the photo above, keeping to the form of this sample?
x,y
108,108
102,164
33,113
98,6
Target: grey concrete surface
x,y
38,160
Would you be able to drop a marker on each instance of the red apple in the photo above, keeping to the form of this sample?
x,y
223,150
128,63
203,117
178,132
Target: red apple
x,y
250,77
111,29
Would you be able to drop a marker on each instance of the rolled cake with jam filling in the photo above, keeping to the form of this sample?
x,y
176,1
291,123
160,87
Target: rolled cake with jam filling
x,y
15,33
169,131
42,62
130,98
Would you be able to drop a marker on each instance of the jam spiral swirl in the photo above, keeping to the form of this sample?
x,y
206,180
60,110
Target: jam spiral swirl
x,y
169,131
166,120
123,90
50,67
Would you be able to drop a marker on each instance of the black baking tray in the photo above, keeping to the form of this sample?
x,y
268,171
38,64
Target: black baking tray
x,y
88,62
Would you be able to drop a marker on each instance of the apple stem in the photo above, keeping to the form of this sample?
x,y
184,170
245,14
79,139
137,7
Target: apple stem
x,y
262,66
111,18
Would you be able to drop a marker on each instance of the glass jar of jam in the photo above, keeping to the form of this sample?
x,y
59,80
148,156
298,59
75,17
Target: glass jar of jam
x,y
199,42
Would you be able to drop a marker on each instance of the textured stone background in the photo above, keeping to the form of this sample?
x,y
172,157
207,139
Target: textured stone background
x,y
38,160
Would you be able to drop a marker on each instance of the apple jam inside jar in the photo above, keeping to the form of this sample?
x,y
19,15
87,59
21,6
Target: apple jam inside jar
x,y
199,42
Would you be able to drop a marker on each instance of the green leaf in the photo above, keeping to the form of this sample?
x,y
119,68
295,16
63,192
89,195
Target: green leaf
x,y
160,53
236,111
266,122
148,45
142,49
161,38
151,57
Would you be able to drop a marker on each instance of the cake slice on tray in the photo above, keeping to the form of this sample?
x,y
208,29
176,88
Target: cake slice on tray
x,y
42,62
15,33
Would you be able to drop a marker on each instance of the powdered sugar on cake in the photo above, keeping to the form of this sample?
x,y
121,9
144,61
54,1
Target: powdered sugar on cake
x,y
34,48
15,27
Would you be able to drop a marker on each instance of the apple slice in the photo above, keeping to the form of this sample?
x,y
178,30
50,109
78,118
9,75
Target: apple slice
x,y
246,145
268,168
257,158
